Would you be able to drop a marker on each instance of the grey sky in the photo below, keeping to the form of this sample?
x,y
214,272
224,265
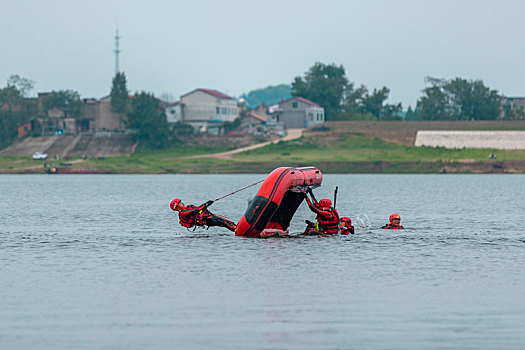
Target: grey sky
x,y
239,45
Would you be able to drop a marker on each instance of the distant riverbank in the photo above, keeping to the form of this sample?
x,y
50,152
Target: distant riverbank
x,y
332,152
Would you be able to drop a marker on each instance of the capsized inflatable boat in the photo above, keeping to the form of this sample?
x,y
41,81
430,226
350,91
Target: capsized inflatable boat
x,y
271,210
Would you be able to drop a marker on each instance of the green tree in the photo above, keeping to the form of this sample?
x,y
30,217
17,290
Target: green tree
x,y
22,85
392,112
374,103
269,95
182,129
411,115
10,98
473,100
119,93
353,102
459,99
16,90
148,119
436,102
66,100
323,84
15,108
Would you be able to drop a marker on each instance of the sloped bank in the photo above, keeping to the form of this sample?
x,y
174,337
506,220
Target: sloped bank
x,y
343,167
360,167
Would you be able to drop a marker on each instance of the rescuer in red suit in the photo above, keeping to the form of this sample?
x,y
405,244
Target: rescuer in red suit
x,y
394,224
345,225
327,216
191,215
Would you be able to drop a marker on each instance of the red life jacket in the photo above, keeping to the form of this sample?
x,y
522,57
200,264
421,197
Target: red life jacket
x,y
392,227
347,230
329,225
188,220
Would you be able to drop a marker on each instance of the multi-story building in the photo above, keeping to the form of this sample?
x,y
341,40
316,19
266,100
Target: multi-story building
x,y
93,115
207,110
297,113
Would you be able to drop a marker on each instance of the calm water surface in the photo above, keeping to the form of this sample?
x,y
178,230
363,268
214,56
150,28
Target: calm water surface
x,y
100,262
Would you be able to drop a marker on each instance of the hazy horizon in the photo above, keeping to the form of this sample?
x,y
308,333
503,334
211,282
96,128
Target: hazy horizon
x,y
236,46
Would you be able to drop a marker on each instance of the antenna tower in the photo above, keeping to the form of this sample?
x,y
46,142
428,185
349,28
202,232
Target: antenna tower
x,y
117,52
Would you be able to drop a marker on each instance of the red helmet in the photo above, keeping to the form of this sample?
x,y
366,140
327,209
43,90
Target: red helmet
x,y
394,216
173,204
325,203
346,220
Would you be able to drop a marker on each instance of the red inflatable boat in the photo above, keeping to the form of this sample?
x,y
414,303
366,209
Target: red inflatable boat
x,y
276,202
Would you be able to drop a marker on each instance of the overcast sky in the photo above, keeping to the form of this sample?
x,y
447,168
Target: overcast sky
x,y
239,45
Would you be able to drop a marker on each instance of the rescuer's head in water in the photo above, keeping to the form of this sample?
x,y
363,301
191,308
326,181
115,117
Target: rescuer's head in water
x,y
176,204
395,219
345,222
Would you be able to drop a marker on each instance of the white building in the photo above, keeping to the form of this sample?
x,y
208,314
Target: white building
x,y
207,110
173,112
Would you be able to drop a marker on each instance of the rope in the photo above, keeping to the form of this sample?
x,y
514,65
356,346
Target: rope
x,y
229,194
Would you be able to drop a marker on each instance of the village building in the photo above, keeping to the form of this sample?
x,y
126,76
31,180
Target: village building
x,y
512,107
25,128
107,119
254,124
93,115
173,112
262,110
207,110
297,113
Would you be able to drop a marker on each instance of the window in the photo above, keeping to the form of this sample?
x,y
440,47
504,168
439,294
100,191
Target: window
x,y
294,104
223,110
218,110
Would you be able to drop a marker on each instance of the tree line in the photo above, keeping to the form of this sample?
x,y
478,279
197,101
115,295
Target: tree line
x,y
325,84
441,99
142,113
328,86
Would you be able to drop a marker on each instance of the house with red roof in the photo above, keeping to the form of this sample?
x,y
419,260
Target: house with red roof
x,y
298,113
254,123
207,110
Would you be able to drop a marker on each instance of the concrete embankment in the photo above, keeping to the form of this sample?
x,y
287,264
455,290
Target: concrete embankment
x,y
471,139
91,145
405,132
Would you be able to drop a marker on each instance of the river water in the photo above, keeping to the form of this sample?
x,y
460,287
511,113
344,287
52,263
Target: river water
x,y
100,262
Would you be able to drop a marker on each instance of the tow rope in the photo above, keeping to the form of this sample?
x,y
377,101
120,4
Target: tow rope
x,y
239,190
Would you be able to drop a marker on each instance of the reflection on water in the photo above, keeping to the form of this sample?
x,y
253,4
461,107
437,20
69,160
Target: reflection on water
x,y
101,262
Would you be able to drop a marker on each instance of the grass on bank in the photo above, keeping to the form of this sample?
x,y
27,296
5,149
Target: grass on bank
x,y
359,148
9,163
160,161
348,153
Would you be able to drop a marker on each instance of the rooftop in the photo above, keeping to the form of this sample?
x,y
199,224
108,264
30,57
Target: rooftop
x,y
211,92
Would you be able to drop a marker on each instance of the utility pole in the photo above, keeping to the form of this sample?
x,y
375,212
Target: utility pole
x,y
117,52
